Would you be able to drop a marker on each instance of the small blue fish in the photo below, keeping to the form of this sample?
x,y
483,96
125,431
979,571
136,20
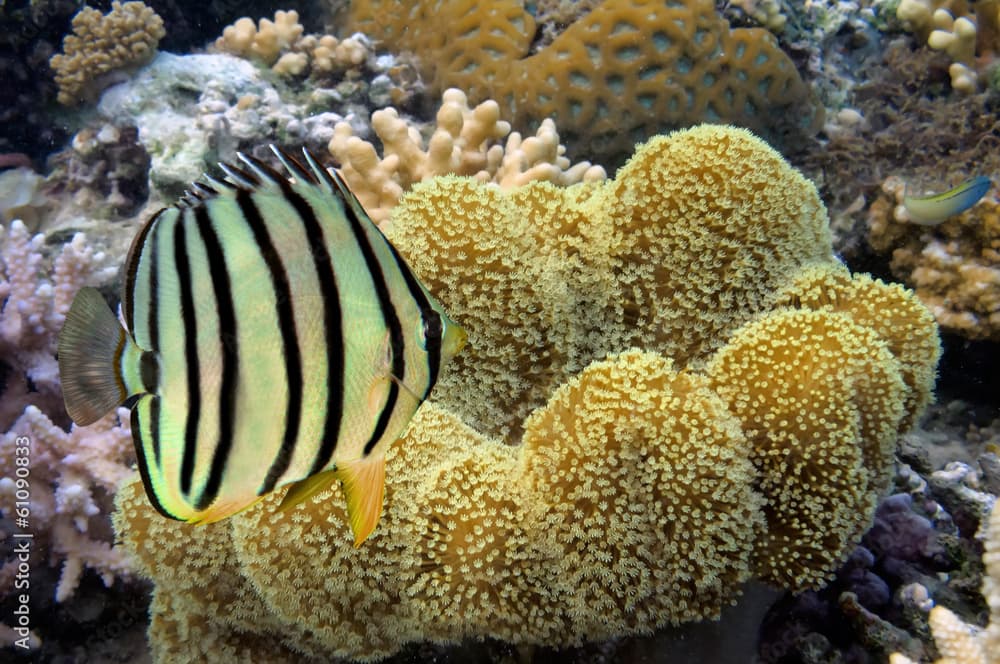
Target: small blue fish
x,y
275,338
933,209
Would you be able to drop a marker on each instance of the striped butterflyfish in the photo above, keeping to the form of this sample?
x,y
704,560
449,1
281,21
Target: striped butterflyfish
x,y
274,337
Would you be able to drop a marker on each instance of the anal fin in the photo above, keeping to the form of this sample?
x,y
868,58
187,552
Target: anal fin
x,y
307,488
364,488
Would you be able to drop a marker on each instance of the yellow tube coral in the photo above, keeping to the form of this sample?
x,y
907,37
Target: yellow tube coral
x,y
671,552
820,398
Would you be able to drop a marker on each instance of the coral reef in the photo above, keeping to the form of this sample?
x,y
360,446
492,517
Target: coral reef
x,y
969,32
281,45
957,641
465,142
623,71
102,174
194,110
101,44
72,475
954,268
72,481
596,466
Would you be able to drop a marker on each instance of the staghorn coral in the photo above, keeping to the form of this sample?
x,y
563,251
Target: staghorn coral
x,y
36,289
123,38
954,268
465,142
623,71
73,477
572,480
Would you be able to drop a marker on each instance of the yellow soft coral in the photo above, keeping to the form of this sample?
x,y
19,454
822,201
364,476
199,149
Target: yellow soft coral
x,y
572,480
100,44
820,399
626,69
634,421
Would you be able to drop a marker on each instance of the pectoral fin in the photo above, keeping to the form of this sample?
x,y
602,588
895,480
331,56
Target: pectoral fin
x,y
364,488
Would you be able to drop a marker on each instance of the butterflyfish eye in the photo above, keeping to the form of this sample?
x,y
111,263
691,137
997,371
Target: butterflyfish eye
x,y
432,329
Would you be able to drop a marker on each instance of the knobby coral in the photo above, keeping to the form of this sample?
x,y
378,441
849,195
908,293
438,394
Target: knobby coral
x,y
954,268
595,466
465,142
969,32
625,70
281,45
100,44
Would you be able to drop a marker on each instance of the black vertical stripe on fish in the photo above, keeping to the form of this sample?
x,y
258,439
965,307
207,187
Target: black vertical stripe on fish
x,y
153,324
332,325
140,453
289,337
427,313
132,270
389,316
183,267
226,311
153,315
154,429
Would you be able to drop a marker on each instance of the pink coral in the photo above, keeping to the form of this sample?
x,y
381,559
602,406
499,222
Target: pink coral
x,y
72,478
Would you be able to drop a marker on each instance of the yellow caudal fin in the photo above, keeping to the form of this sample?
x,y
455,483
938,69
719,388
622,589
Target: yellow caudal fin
x,y
307,488
91,344
364,488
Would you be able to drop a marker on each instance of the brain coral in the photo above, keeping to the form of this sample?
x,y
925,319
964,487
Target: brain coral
x,y
582,474
625,70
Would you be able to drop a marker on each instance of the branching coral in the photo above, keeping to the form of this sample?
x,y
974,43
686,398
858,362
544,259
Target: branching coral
x,y
73,477
572,481
125,37
954,267
625,70
465,142
281,45
35,293
964,30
